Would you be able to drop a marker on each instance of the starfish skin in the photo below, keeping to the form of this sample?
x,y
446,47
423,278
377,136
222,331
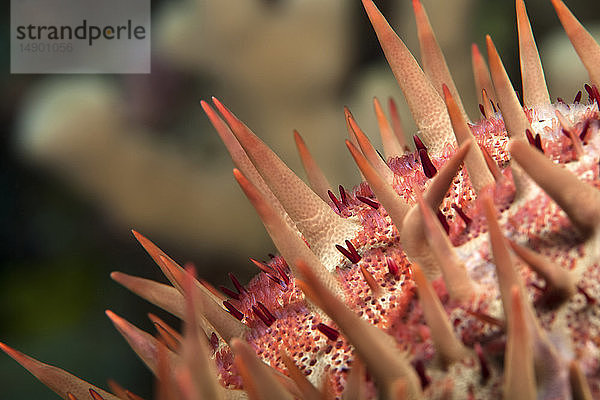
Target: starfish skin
x,y
467,268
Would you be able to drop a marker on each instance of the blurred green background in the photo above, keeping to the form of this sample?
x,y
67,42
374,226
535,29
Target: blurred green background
x,y
64,226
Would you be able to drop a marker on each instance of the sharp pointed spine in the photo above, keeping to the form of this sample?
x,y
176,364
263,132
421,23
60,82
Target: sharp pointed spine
x,y
173,275
425,104
560,285
391,146
213,313
347,117
487,104
58,380
511,287
238,286
578,199
432,58
367,149
290,246
584,130
514,117
170,341
412,233
117,389
491,164
386,195
317,179
343,195
262,316
474,162
439,186
419,143
214,292
338,205
240,158
483,80
217,317
144,344
164,296
168,329
397,125
449,348
350,253
95,395
585,45
319,224
460,287
570,131
373,285
428,168
266,312
230,293
482,111
518,361
268,272
233,310
309,392
259,380
592,92
535,91
505,270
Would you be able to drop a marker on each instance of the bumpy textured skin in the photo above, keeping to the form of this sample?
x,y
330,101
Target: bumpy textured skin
x,y
517,333
533,220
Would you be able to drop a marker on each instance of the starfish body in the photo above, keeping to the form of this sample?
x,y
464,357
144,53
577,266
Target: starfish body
x,y
467,268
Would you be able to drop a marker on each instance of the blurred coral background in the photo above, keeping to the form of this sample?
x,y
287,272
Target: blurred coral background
x,y
86,158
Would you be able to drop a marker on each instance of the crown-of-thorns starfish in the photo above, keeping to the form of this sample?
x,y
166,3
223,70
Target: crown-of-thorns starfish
x,y
468,268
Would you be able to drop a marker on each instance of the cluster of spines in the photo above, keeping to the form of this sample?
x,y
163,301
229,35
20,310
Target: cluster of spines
x,y
296,215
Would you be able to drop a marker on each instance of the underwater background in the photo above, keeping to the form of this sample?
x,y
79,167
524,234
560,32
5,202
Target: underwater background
x,y
84,159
